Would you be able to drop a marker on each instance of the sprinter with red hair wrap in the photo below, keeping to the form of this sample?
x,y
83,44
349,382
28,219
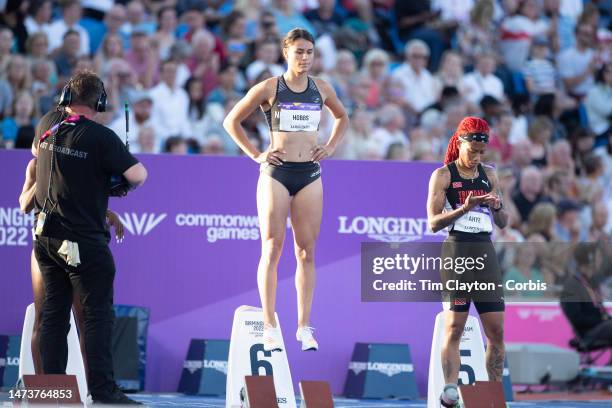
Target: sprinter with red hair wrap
x,y
464,196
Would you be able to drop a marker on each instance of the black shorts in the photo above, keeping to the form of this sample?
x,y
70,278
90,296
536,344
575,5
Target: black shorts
x,y
483,273
293,175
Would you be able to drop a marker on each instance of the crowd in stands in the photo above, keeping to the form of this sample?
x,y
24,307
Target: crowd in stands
x,y
539,71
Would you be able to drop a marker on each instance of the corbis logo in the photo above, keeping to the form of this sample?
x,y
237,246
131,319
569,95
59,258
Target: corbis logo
x,y
386,229
388,369
141,224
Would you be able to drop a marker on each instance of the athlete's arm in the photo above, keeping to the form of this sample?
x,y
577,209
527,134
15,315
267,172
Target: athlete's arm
x,y
500,217
257,95
437,218
26,198
341,122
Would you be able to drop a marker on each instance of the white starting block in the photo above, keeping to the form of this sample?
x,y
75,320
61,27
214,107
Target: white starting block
x,y
75,364
247,357
473,366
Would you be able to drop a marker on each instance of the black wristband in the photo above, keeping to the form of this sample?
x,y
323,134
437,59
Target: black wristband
x,y
501,207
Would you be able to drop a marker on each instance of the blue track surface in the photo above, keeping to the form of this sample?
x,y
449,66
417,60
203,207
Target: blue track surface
x,y
183,401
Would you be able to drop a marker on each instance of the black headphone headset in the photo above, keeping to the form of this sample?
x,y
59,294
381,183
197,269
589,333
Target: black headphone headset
x,y
65,98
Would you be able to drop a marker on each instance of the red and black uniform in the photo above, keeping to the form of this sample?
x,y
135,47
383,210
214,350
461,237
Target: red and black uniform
x,y
470,238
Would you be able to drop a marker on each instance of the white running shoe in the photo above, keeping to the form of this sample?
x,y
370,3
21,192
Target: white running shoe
x,y
450,396
272,338
304,334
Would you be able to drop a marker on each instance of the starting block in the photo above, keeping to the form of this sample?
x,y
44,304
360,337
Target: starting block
x,y
483,394
316,394
247,358
75,364
259,392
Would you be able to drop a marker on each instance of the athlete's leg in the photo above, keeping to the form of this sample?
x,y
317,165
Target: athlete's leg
x,y
306,212
493,324
454,322
272,208
38,289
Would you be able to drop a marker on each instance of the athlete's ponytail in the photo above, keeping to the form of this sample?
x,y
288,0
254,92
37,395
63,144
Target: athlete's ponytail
x,y
469,124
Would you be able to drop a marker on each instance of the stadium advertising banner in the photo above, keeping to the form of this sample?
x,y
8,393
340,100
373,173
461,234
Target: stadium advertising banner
x,y
192,246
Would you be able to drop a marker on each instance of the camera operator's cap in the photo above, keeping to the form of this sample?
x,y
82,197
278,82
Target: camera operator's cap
x,y
139,95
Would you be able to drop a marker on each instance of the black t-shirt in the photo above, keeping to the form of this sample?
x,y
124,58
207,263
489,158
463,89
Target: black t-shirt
x,y
86,155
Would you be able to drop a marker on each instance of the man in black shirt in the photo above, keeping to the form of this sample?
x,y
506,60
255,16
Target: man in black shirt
x,y
76,160
581,299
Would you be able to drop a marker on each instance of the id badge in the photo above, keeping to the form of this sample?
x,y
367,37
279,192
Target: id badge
x,y
40,223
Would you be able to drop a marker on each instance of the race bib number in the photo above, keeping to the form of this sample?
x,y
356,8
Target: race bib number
x,y
476,220
299,117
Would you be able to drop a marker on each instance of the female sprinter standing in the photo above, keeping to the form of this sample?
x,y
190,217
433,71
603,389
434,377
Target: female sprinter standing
x,y
464,196
290,174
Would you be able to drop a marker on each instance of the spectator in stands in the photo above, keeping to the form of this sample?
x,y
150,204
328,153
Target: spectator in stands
x,y
477,36
142,59
525,269
204,62
175,145
6,47
491,109
539,72
136,19
450,72
568,227
500,136
558,186
398,152
39,15
391,128
577,65
13,17
581,298
268,29
590,186
18,128
518,30
376,66
529,191
327,18
412,21
227,85
18,74
581,141
171,104
358,143
251,12
37,45
166,30
147,141
598,103
114,20
71,14
419,85
539,133
111,49
288,18
267,55
482,81
66,57
140,116
346,66
562,24
541,222
553,105
599,220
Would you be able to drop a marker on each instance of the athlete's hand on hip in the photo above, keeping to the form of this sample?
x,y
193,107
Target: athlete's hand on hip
x,y
320,152
115,222
274,156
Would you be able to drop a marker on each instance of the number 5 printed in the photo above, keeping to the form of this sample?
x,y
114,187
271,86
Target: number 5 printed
x,y
467,369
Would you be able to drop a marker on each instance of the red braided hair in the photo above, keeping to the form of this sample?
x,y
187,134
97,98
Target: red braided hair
x,y
469,124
